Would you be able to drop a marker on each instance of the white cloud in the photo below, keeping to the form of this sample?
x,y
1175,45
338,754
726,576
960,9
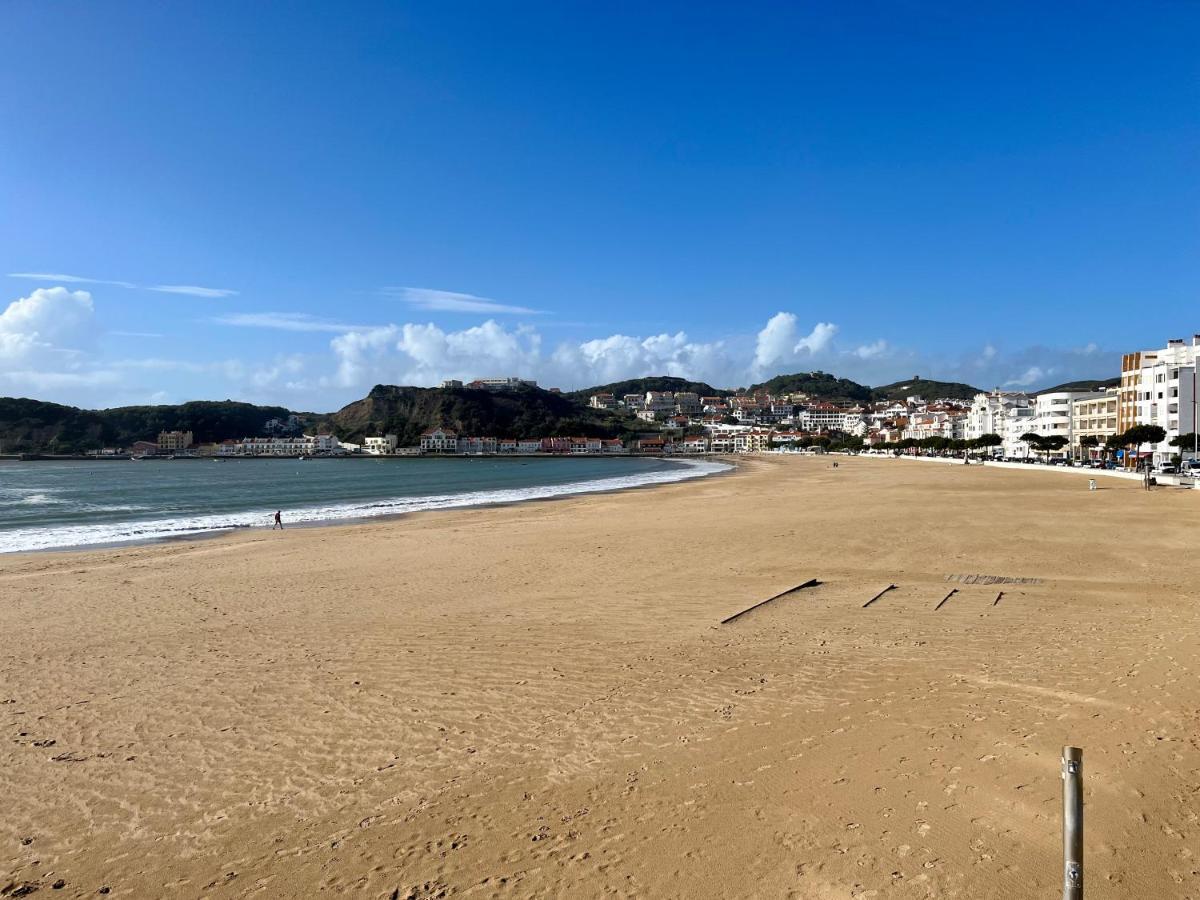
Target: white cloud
x,y
777,344
192,290
818,339
448,301
48,341
188,289
50,322
871,351
68,279
285,321
776,340
1029,377
425,354
620,356
40,381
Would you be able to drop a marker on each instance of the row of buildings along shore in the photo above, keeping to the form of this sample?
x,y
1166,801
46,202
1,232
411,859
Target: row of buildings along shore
x,y
1156,387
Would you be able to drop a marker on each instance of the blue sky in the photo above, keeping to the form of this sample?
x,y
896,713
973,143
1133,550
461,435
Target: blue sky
x,y
338,195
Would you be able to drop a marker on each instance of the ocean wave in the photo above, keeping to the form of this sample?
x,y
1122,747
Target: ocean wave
x,y
83,535
37,499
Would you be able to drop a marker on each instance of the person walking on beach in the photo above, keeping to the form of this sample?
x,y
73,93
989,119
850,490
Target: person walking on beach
x,y
278,521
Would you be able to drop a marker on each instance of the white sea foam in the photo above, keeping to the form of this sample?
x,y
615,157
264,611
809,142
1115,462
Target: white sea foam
x,y
38,499
62,536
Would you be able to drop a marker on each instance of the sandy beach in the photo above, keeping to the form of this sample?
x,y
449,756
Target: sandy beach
x,y
539,700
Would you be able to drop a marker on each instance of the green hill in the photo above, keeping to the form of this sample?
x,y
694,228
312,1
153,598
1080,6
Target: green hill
x,y
924,387
818,385
651,383
527,412
35,426
1092,385
32,426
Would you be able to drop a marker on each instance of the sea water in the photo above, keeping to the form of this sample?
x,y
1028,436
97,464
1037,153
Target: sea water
x,y
53,505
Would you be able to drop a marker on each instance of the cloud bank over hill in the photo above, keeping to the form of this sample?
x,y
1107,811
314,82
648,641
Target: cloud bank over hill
x,y
52,346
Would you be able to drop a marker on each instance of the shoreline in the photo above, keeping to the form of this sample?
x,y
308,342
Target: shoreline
x,y
346,457
540,697
732,466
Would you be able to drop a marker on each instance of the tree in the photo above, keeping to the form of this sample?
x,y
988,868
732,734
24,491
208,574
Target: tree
x,y
1034,440
1141,434
986,441
1088,441
1054,442
1185,442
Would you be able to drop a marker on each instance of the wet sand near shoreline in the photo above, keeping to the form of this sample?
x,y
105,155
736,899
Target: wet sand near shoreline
x,y
538,700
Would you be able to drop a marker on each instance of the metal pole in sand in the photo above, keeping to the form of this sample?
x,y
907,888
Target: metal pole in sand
x,y
1072,775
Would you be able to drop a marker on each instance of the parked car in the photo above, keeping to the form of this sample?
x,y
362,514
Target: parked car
x,y
1167,469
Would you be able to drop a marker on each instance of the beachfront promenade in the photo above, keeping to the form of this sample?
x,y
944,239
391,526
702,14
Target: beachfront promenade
x,y
539,700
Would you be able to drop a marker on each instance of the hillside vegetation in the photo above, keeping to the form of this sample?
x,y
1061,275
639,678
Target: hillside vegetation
x,y
35,426
652,383
527,412
818,385
1095,384
924,387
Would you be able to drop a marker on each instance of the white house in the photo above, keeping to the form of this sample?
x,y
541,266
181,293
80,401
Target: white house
x,y
383,445
439,440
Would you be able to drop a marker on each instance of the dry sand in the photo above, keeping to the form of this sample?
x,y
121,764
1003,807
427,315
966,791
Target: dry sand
x,y
537,701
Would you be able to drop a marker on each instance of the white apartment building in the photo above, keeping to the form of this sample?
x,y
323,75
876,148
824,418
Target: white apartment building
x,y
935,424
383,445
602,401
1093,416
502,384
722,443
1004,413
1165,394
304,445
752,441
1054,416
817,418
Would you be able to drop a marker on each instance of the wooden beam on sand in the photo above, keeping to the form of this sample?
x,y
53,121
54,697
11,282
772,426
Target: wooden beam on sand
x,y
997,600
953,591
890,587
812,582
